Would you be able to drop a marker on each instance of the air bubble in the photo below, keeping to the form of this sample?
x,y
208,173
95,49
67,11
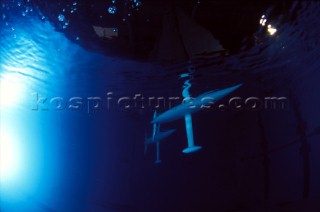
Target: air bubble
x,y
61,17
112,9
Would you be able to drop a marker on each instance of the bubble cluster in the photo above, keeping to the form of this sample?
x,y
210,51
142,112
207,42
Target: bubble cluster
x,y
61,17
23,8
135,4
112,9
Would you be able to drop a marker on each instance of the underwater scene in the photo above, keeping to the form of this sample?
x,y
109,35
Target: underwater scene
x,y
159,106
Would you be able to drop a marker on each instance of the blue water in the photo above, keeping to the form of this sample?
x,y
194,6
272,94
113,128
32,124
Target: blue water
x,y
68,159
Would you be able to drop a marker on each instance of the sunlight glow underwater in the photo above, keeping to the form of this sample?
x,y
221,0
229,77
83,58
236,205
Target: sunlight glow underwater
x,y
12,154
11,88
27,162
17,158
11,158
